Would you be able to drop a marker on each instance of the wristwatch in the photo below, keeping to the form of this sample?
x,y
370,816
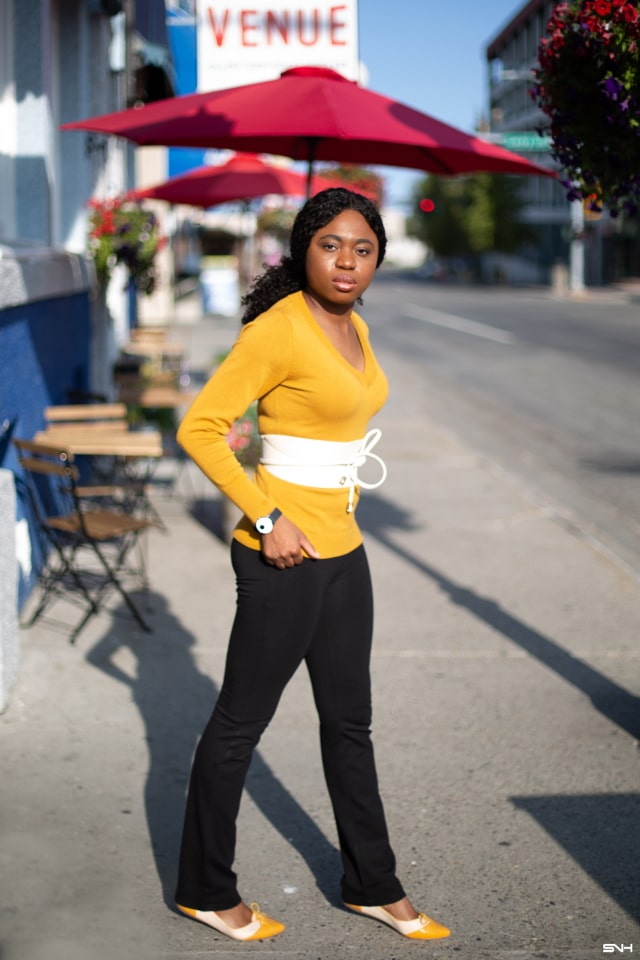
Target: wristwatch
x,y
266,524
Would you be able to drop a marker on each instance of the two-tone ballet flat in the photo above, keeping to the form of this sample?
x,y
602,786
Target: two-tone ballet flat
x,y
261,927
421,928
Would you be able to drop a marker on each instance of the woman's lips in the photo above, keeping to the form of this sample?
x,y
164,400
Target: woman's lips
x,y
344,283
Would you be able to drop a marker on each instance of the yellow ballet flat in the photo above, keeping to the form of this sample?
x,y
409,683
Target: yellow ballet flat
x,y
261,927
421,928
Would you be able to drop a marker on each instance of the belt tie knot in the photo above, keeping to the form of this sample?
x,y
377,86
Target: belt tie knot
x,y
351,478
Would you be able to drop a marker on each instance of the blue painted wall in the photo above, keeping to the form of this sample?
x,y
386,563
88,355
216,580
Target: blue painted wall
x,y
44,351
182,34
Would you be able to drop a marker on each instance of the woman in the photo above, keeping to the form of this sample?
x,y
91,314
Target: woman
x,y
304,590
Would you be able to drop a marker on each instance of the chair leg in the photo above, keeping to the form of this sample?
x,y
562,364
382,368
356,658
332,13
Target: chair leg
x,y
114,581
80,626
138,499
183,470
50,578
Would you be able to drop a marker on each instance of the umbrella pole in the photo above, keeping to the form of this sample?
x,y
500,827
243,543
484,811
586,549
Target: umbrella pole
x,y
312,143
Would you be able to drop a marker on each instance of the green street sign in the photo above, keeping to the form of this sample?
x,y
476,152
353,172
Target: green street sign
x,y
524,141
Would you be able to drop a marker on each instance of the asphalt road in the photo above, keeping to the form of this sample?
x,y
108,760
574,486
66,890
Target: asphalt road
x,y
548,387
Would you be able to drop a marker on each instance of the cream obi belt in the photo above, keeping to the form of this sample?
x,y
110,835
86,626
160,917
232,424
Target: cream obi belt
x,y
321,463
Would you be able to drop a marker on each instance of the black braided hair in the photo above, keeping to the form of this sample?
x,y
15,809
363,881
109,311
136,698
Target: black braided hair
x,y
289,275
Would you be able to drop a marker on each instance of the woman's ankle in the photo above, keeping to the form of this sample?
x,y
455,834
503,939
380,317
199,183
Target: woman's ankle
x,y
238,916
401,909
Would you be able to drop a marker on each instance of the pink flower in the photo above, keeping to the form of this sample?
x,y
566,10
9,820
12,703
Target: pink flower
x,y
240,435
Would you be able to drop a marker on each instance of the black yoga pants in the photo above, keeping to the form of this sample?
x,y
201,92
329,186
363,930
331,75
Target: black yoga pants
x,y
321,612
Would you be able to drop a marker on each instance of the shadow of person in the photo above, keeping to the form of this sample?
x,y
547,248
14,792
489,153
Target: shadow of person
x,y
602,833
175,700
378,516
381,518
208,512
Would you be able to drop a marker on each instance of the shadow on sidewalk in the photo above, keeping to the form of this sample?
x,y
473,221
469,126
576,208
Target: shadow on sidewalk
x,y
379,518
175,700
600,832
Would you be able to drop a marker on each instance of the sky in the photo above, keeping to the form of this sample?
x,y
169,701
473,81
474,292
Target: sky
x,y
430,55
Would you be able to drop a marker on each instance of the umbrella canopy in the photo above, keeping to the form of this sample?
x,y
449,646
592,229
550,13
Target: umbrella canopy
x,y
242,177
311,113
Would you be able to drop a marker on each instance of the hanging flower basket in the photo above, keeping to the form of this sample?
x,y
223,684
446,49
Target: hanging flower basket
x,y
124,231
588,84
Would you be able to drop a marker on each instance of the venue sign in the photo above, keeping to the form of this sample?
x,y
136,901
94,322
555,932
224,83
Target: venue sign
x,y
248,42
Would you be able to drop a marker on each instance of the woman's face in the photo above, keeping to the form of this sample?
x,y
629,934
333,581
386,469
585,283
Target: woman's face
x,y
341,260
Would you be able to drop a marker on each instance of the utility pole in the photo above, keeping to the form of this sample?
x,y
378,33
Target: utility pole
x,y
576,248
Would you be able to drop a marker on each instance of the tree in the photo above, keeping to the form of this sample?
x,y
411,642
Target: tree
x,y
472,215
494,216
351,175
443,230
278,223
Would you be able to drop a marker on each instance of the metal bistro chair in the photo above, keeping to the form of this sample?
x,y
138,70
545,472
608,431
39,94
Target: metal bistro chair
x,y
112,477
72,524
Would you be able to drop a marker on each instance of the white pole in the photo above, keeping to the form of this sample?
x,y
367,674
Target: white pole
x,y
576,252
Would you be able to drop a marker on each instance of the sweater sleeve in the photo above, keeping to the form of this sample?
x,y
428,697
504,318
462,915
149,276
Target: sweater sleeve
x,y
258,361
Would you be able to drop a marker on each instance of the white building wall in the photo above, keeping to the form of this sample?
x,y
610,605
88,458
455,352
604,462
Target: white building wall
x,y
54,66
7,123
88,165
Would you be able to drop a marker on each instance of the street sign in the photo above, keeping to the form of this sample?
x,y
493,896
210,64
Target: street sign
x,y
524,141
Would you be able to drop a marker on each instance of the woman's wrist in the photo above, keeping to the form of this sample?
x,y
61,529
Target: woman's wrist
x,y
266,523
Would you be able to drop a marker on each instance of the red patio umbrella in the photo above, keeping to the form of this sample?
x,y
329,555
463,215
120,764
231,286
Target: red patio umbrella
x,y
243,176
311,113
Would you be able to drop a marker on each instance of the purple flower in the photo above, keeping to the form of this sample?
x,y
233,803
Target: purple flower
x,y
612,88
573,193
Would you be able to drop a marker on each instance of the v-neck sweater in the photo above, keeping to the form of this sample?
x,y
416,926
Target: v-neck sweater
x,y
305,388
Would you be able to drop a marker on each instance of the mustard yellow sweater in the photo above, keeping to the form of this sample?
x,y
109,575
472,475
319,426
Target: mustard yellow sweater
x,y
305,388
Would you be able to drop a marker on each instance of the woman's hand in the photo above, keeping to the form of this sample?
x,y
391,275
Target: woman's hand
x,y
286,545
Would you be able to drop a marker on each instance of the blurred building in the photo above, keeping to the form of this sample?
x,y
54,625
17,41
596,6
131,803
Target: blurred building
x,y
403,252
60,60
515,122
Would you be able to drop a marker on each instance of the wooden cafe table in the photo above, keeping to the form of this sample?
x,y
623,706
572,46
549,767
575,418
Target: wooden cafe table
x,y
103,442
122,457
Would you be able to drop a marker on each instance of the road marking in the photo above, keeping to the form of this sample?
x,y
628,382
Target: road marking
x,y
461,324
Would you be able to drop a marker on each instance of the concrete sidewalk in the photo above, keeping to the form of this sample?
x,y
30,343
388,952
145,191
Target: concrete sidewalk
x,y
505,662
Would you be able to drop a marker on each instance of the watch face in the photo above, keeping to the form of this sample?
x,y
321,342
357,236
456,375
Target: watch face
x,y
264,524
